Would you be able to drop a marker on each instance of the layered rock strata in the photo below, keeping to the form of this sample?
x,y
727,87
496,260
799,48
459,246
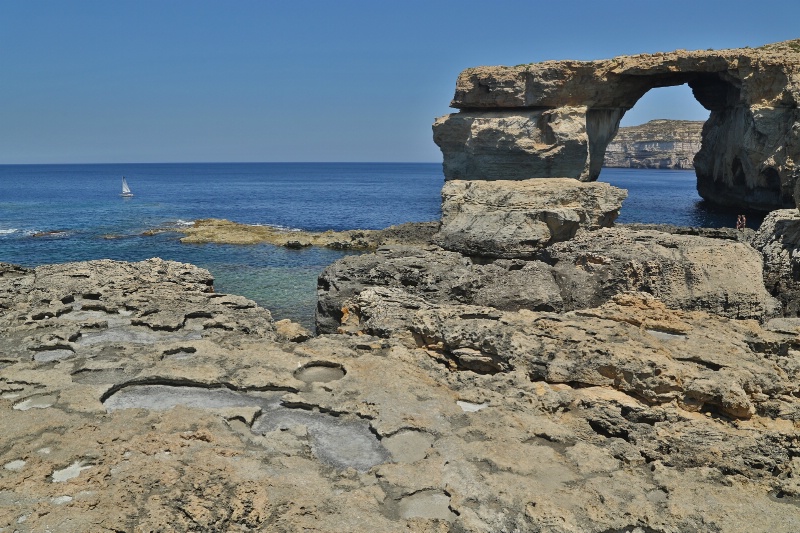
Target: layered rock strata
x,y
556,118
684,271
662,144
133,398
517,218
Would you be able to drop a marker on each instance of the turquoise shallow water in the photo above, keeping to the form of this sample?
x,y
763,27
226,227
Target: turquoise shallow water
x,y
79,209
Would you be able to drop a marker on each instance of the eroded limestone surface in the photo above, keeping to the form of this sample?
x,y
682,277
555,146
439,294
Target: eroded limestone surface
x,y
440,416
556,118
515,219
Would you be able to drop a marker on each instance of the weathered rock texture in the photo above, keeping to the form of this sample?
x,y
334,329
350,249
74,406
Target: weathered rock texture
x,y
440,276
663,144
133,399
684,271
556,118
778,240
516,218
221,231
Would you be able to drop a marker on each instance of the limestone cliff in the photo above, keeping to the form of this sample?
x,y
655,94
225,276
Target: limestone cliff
x,y
660,143
556,118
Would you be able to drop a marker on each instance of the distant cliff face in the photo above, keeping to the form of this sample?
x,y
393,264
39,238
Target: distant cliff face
x,y
669,144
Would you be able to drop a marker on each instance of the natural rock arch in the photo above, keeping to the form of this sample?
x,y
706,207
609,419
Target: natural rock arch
x,y
556,118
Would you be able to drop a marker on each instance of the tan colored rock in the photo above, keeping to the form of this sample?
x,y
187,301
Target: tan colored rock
x,y
663,144
226,232
749,144
514,219
687,272
151,429
659,355
514,144
291,331
778,240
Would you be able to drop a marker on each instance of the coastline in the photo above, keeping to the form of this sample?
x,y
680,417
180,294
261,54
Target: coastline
x,y
227,232
155,378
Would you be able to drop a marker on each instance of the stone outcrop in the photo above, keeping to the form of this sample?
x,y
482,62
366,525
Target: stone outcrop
x,y
134,398
662,144
556,118
220,231
684,271
778,240
517,218
438,275
669,356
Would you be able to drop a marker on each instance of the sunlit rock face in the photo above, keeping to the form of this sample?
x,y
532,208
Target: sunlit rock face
x,y
556,118
666,144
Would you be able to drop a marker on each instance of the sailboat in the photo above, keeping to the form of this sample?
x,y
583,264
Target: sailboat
x,y
126,191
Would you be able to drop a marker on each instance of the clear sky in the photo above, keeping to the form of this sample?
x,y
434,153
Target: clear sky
x,y
310,80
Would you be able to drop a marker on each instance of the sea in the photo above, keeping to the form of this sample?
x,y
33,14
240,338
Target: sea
x,y
64,213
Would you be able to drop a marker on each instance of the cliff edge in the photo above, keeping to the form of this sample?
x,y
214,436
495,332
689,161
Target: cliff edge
x,y
660,143
556,118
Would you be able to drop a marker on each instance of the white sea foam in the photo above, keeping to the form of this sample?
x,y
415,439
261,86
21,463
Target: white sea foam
x,y
8,231
277,227
180,222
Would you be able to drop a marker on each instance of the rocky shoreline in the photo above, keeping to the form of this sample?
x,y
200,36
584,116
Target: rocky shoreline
x,y
226,232
521,365
583,389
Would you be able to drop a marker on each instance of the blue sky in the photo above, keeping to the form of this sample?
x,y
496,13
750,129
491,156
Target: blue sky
x,y
303,80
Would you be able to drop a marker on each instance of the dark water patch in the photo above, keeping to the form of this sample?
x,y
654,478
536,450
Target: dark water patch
x,y
670,197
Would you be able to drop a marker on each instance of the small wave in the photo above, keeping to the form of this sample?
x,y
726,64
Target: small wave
x,y
276,226
8,231
180,222
52,234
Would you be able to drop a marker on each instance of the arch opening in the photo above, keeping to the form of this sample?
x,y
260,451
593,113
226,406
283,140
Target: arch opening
x,y
652,156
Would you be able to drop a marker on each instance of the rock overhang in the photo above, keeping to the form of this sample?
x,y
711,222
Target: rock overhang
x,y
750,141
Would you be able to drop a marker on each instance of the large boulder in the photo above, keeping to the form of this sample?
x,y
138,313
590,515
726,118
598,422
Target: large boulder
x,y
439,276
684,271
514,219
513,144
556,118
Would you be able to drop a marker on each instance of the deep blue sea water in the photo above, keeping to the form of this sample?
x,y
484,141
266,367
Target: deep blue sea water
x,y
82,206
668,197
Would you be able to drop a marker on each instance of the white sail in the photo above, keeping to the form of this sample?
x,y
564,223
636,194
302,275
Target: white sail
x,y
126,191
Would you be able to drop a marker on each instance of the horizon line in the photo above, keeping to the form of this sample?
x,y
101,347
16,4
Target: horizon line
x,y
233,163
